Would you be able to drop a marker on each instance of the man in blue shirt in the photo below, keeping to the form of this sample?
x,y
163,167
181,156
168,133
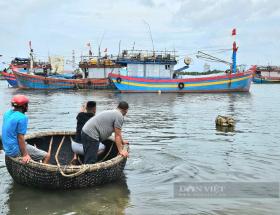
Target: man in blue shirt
x,y
13,130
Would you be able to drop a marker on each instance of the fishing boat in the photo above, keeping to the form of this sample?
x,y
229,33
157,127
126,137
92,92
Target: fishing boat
x,y
267,75
55,77
97,66
60,173
23,64
57,81
154,72
8,75
27,63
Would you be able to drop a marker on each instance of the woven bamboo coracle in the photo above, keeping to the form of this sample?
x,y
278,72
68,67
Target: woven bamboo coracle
x,y
60,173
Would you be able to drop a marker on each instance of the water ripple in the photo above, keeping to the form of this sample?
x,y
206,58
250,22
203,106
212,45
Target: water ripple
x,y
173,138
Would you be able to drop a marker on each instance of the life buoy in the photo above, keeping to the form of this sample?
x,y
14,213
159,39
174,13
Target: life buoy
x,y
181,85
119,80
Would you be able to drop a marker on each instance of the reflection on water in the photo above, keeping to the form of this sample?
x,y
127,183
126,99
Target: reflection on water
x,y
108,199
225,129
173,138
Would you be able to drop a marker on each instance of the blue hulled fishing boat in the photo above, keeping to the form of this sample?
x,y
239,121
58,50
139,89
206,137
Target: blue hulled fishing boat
x,y
57,81
154,72
267,75
8,75
24,65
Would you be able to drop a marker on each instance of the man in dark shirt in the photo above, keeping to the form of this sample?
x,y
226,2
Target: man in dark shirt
x,y
87,111
85,114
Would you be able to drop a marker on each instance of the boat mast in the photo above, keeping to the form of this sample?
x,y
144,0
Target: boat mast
x,y
73,60
119,48
89,49
99,46
234,50
151,36
31,58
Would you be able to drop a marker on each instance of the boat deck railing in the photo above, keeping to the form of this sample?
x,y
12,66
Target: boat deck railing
x,y
269,68
147,56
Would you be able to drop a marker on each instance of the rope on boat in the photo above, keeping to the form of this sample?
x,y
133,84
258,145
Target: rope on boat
x,y
211,58
106,154
81,171
50,145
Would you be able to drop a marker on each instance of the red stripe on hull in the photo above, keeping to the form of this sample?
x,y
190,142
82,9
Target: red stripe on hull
x,y
188,91
249,72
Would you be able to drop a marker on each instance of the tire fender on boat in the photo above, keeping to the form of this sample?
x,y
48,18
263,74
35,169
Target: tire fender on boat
x,y
181,85
119,80
89,83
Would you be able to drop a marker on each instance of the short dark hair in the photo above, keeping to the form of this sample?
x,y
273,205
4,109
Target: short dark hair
x,y
91,104
123,105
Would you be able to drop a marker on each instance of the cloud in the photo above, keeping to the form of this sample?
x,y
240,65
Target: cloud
x,y
148,3
203,13
185,25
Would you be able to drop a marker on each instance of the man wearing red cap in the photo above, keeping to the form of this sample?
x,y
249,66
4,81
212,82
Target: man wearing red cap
x,y
13,130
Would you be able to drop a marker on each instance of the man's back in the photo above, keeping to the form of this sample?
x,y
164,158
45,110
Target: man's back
x,y
14,123
82,118
101,126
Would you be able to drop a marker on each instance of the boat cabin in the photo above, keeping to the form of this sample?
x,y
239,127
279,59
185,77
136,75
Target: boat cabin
x,y
144,63
268,71
25,63
98,67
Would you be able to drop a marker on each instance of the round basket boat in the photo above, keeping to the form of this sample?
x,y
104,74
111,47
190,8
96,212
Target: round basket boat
x,y
60,173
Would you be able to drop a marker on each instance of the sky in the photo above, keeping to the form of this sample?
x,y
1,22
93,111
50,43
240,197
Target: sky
x,y
187,26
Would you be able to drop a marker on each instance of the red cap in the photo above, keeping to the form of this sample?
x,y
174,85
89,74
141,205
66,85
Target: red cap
x,y
19,100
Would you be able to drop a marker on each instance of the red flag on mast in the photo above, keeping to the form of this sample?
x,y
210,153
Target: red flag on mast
x,y
234,47
233,33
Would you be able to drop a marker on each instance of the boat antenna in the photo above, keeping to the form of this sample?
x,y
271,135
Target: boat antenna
x,y
99,51
150,32
73,59
119,48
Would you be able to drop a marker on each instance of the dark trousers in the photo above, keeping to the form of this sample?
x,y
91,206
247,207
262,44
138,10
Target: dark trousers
x,y
90,146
